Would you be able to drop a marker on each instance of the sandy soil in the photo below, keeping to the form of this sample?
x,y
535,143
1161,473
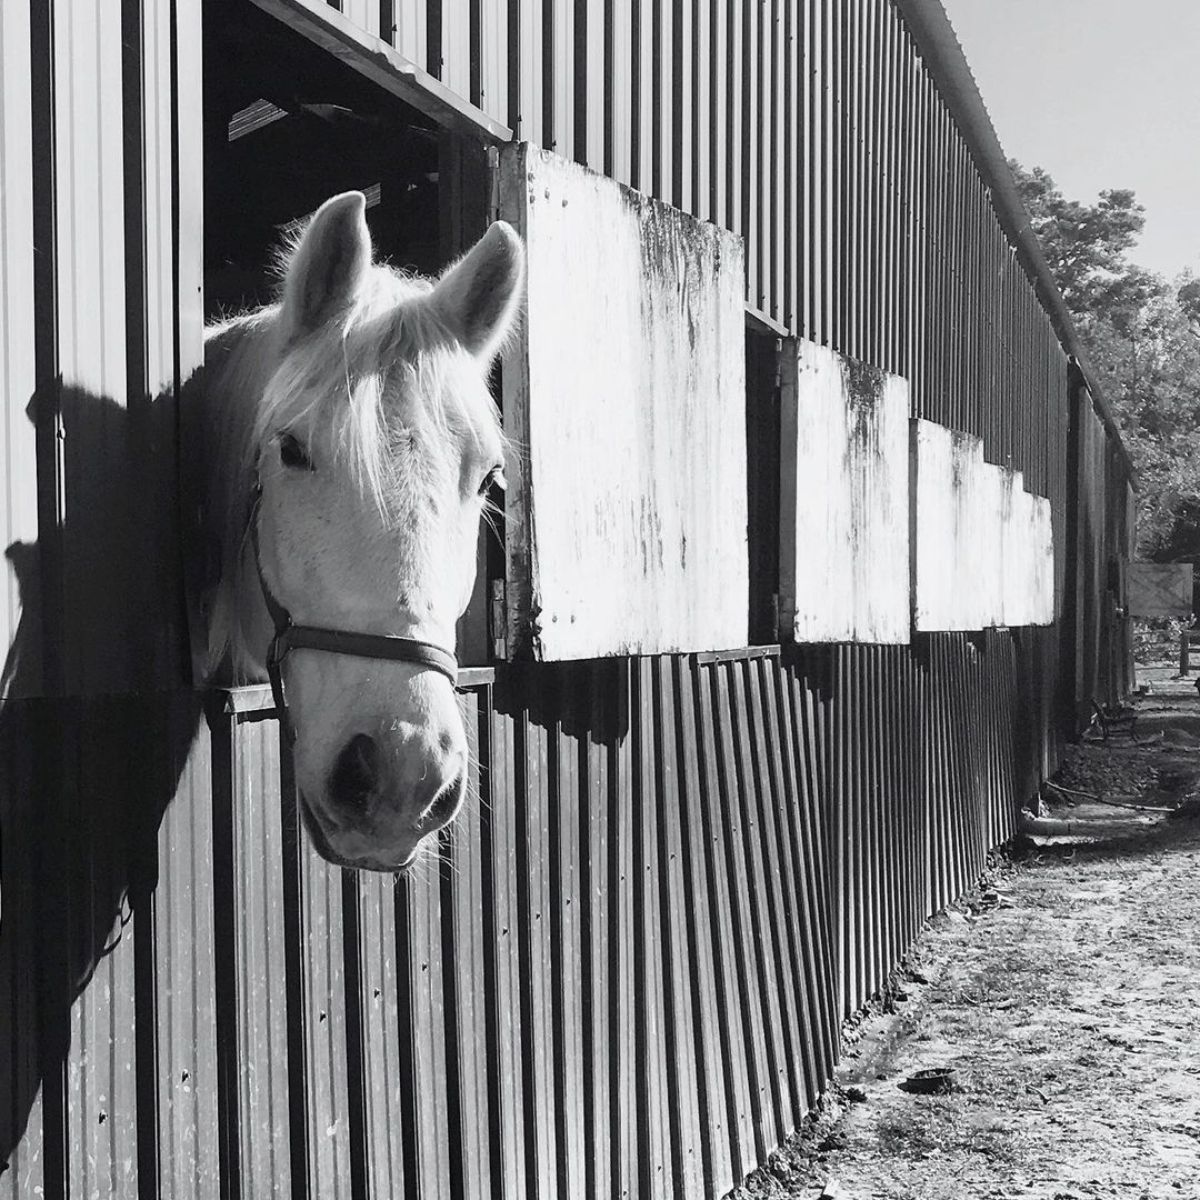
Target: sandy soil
x,y
1065,995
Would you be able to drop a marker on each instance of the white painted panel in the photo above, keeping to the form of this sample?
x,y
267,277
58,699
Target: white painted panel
x,y
1041,543
1011,547
984,546
933,528
949,591
625,395
844,552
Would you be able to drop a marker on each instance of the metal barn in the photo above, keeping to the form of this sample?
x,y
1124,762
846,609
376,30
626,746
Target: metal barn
x,y
744,712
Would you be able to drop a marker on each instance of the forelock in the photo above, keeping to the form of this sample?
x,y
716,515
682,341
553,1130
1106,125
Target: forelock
x,y
388,348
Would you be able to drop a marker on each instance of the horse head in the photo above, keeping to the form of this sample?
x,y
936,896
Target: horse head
x,y
375,445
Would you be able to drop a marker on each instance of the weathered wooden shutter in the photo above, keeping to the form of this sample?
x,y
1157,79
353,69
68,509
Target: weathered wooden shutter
x,y
625,402
844,549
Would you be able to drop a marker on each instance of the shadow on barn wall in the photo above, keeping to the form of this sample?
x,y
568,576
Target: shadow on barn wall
x,y
85,780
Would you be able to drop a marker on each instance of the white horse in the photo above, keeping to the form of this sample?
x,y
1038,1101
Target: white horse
x,y
350,445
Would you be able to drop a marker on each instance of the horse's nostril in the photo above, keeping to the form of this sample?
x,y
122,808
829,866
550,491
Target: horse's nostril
x,y
355,776
441,810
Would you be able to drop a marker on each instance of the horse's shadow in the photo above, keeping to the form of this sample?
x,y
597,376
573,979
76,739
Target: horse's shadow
x,y
95,729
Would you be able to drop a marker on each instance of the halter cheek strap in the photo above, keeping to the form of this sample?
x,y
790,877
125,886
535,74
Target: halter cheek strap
x,y
290,636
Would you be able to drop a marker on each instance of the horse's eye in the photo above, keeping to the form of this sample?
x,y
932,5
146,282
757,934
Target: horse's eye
x,y
292,454
496,476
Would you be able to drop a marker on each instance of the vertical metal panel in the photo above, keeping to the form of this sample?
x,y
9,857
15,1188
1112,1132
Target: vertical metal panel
x,y
697,908
17,365
567,850
701,71
465,943
529,52
21,1126
163,299
251,934
734,1020
777,887
625,1066
643,101
456,46
184,982
770,998
90,286
720,82
590,100
790,130
101,1112
799,931
492,51
559,89
323,1017
686,1092
655,1159
738,850
388,1166
509,1082
597,766
806,741
421,979
750,145
409,32
618,156
683,110
534,855
823,301
734,146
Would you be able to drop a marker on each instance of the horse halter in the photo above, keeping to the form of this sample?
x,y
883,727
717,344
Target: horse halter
x,y
289,636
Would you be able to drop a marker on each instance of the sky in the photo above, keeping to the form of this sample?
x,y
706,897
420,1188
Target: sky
x,y
1101,94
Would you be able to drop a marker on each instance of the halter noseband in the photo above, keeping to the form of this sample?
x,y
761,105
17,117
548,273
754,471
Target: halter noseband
x,y
289,636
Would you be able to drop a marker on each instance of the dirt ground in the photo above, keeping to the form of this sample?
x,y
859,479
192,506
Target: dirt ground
x,y
1064,993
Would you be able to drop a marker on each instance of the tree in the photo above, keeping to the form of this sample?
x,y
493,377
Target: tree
x,y
1142,336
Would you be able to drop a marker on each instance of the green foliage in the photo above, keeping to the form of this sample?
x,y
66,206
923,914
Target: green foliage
x,y
1142,335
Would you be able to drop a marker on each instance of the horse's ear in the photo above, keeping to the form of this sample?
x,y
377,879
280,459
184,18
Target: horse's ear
x,y
477,298
324,270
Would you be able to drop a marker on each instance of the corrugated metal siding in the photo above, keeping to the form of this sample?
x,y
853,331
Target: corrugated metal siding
x,y
817,132
623,974
106,968
1096,642
612,983
93,205
106,945
931,749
